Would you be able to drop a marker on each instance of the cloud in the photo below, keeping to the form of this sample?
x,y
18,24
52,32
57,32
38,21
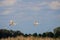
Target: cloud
x,y
39,5
7,11
57,16
29,6
32,6
7,6
7,2
54,5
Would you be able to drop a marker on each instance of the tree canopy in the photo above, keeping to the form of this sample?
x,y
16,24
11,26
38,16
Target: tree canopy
x,y
57,32
4,33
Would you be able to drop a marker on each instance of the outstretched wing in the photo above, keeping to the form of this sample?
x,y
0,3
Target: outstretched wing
x,y
36,23
12,23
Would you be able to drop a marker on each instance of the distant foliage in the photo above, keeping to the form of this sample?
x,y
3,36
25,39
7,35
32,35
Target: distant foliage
x,y
39,35
10,33
44,35
57,32
49,34
35,34
57,29
26,35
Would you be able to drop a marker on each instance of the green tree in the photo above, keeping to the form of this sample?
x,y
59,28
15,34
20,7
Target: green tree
x,y
26,35
57,32
44,35
39,35
57,29
29,34
49,34
35,34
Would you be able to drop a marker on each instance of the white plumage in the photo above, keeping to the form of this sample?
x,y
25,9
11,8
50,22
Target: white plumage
x,y
36,23
12,23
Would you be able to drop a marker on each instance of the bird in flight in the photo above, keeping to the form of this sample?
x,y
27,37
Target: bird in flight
x,y
36,23
12,23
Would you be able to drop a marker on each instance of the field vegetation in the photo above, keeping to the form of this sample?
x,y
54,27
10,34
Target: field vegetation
x,y
17,35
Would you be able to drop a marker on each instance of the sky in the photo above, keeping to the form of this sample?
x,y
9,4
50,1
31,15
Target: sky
x,y
25,12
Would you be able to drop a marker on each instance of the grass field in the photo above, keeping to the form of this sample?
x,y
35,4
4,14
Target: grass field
x,y
29,38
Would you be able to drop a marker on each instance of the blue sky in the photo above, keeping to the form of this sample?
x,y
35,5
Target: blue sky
x,y
24,12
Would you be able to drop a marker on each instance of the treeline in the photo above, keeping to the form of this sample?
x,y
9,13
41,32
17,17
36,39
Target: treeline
x,y
4,33
10,33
